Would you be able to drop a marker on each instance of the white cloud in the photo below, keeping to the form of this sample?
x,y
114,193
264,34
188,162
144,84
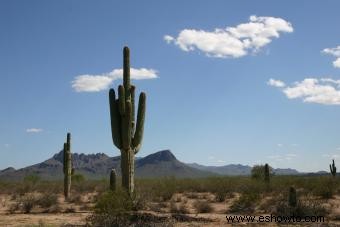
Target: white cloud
x,y
168,38
276,83
95,83
211,157
232,42
322,91
34,130
7,145
282,157
331,156
279,144
334,52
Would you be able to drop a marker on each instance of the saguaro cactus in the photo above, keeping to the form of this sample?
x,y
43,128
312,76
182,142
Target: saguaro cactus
x,y
292,200
266,173
126,135
113,180
332,167
67,166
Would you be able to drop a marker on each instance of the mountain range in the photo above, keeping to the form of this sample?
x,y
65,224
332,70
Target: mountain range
x,y
159,164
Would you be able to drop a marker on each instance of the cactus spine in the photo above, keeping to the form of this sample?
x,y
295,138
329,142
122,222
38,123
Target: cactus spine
x,y
126,134
266,173
292,200
332,167
113,180
67,166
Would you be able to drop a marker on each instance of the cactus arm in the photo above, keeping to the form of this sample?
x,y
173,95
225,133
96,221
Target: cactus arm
x,y
121,99
133,89
113,180
64,159
126,72
138,137
126,127
68,142
330,168
115,120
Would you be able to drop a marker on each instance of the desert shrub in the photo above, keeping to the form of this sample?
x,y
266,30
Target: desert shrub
x,y
32,178
112,209
245,203
325,189
192,195
75,198
178,208
14,208
303,208
161,189
258,172
70,209
220,195
47,200
78,178
27,202
202,206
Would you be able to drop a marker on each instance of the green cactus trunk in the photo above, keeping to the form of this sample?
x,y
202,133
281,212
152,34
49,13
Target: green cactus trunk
x,y
126,134
67,165
292,198
332,168
113,180
266,173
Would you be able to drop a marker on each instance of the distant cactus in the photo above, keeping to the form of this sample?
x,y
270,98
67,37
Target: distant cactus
x,y
67,166
292,199
113,180
126,133
266,173
332,167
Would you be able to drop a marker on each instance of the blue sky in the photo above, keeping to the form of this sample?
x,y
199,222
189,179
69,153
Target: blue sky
x,y
263,87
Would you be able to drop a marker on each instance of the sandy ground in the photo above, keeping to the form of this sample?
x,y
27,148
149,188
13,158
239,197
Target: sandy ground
x,y
216,217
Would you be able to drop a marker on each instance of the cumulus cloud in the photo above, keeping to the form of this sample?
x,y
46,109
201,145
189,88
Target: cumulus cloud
x,y
322,91
34,130
334,52
276,83
95,83
331,156
232,42
282,157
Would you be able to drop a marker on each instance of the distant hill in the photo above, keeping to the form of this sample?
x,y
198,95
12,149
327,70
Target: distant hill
x,y
159,164
96,166
238,170
230,170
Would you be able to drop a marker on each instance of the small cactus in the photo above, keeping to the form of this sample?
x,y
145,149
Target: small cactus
x,y
113,180
266,173
67,166
127,134
332,168
292,199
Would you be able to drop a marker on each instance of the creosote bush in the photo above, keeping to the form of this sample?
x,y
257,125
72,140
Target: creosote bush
x,y
202,206
113,208
246,203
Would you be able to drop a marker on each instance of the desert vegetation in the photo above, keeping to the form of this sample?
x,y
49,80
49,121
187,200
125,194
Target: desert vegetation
x,y
170,200
126,201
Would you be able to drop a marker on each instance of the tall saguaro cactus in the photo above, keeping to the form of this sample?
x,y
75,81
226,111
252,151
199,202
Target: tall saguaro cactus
x,y
67,166
113,180
126,133
332,168
292,198
266,173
